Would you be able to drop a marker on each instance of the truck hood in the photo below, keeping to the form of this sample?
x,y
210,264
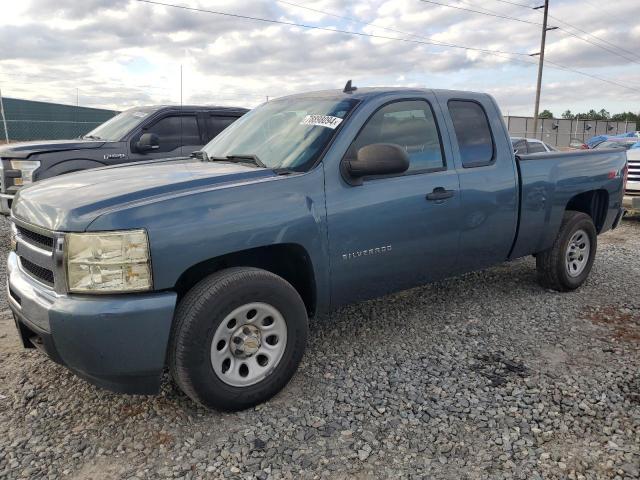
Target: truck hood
x,y
71,202
26,149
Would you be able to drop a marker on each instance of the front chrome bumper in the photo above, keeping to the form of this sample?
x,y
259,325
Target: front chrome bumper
x,y
5,203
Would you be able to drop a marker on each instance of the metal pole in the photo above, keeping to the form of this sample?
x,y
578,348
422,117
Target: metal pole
x,y
540,64
4,119
181,131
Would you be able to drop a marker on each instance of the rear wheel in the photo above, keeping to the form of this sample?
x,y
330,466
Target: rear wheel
x,y
566,265
238,338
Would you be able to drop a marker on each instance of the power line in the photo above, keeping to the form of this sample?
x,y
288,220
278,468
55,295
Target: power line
x,y
497,15
514,3
362,34
582,31
402,32
71,83
596,37
596,77
327,29
493,14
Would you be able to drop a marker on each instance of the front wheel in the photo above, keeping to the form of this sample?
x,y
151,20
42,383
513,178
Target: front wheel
x,y
238,338
566,265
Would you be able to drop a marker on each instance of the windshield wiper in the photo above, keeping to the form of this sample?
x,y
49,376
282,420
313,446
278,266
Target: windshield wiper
x,y
92,137
200,155
284,171
243,158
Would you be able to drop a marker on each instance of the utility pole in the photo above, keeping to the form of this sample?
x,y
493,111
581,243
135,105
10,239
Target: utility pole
x,y
4,119
540,63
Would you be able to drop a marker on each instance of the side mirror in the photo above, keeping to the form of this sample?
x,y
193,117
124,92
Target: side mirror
x,y
148,142
376,159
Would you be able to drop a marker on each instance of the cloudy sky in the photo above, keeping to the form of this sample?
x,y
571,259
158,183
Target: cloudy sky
x,y
120,53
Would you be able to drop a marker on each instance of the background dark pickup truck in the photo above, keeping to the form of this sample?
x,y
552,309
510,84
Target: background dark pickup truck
x,y
141,133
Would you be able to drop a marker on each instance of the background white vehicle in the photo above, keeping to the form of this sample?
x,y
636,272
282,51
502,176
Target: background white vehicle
x,y
632,194
530,145
632,146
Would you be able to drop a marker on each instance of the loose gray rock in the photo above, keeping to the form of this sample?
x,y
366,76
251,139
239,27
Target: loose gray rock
x,y
483,376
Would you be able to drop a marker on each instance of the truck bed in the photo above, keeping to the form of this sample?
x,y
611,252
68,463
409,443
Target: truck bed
x,y
550,181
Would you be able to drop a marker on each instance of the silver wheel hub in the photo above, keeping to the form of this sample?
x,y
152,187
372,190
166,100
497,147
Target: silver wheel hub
x,y
577,254
248,344
245,341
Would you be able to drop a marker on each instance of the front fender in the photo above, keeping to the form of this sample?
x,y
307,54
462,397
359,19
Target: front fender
x,y
185,230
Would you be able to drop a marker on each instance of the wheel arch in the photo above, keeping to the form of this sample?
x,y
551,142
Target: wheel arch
x,y
593,203
290,261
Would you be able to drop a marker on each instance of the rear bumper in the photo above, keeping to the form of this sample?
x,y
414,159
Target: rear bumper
x,y
117,342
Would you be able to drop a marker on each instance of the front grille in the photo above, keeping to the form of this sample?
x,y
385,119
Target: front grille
x,y
35,251
36,238
634,171
43,274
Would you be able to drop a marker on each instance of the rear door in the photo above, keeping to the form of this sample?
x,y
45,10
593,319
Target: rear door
x,y
386,234
216,123
488,179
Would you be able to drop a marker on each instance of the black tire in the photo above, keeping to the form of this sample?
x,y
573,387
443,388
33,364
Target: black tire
x,y
551,264
200,313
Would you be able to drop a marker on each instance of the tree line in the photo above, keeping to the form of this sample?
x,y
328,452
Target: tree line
x,y
602,114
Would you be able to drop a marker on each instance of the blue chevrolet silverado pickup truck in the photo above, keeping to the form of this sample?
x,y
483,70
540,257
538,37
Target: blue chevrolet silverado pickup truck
x,y
211,266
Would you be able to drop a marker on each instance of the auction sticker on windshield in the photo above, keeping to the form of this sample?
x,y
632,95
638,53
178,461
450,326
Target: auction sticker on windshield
x,y
321,121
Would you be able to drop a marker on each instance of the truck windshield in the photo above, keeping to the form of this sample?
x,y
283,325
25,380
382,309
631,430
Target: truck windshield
x,y
289,133
116,128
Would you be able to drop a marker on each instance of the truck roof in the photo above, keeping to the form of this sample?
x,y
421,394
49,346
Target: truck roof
x,y
155,108
370,92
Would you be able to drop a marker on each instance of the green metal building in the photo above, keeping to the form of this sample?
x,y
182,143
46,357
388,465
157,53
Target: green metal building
x,y
32,120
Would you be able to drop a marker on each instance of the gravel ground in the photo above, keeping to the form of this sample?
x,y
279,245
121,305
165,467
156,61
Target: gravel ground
x,y
484,376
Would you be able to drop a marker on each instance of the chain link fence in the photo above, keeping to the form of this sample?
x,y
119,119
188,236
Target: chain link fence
x,y
562,133
31,120
23,130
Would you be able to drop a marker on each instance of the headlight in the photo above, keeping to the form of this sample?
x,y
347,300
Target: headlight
x,y
108,262
27,167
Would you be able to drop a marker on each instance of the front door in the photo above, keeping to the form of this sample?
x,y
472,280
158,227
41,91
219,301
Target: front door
x,y
178,136
394,232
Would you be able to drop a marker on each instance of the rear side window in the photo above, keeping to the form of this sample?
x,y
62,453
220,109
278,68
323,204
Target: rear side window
x,y
536,147
409,124
473,133
176,131
217,123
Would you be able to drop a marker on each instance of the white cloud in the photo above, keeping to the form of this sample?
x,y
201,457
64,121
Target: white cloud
x,y
118,53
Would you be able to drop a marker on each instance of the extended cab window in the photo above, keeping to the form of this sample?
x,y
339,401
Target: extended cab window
x,y
411,125
176,131
472,129
216,124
